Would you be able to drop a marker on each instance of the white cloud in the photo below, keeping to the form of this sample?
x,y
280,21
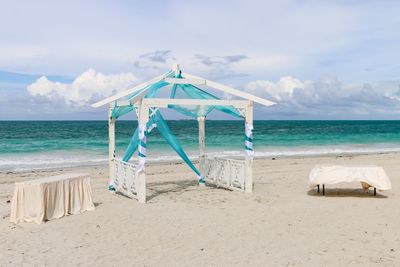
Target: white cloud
x,y
87,87
279,91
327,97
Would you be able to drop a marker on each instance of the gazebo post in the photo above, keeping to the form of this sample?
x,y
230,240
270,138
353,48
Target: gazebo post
x,y
202,146
249,160
141,175
111,146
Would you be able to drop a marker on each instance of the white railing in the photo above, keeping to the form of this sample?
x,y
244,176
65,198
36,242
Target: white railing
x,y
125,178
227,173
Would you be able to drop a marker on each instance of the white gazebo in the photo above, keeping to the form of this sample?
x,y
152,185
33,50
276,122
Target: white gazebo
x,y
129,178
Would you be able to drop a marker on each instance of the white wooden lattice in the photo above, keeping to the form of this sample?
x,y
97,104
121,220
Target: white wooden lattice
x,y
125,178
227,173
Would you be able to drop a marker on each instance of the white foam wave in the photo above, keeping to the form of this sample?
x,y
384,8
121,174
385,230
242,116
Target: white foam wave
x,y
327,150
32,161
59,159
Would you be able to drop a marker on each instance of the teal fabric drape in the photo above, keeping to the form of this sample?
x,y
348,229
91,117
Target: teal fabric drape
x,y
178,91
166,133
151,89
134,143
172,141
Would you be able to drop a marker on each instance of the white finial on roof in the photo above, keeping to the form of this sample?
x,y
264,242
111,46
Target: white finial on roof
x,y
175,68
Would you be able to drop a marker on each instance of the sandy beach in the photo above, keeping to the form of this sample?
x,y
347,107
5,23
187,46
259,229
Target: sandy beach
x,y
283,223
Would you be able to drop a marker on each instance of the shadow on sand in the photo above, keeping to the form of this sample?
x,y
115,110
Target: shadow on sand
x,y
345,192
160,188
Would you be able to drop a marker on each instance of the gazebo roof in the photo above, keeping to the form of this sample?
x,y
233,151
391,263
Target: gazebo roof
x,y
177,77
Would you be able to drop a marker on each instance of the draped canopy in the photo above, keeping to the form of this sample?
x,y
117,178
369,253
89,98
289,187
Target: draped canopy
x,y
187,96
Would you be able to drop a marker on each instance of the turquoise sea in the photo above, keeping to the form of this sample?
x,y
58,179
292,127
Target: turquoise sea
x,y
47,144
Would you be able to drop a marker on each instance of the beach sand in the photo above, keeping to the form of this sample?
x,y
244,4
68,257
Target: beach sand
x,y
283,223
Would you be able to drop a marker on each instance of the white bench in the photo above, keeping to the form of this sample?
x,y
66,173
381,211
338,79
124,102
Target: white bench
x,y
368,176
51,197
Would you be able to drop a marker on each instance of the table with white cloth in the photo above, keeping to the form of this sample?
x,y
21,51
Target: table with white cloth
x,y
51,197
367,175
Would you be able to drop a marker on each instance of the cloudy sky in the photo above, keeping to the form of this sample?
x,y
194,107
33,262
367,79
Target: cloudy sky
x,y
316,59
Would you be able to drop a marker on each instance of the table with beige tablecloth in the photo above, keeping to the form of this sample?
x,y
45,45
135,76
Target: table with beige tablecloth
x,y
51,197
368,175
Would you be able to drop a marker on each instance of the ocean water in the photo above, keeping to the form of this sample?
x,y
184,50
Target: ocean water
x,y
48,144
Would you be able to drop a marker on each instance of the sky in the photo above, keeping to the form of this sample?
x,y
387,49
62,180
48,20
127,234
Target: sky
x,y
315,59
